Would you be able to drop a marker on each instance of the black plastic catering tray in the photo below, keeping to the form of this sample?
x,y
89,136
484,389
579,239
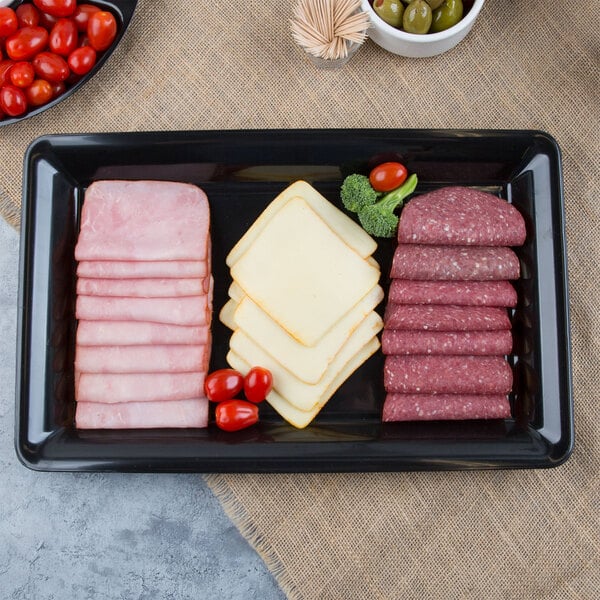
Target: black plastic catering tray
x,y
241,172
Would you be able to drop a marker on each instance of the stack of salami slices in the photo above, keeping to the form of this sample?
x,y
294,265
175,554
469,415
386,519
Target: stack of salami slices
x,y
447,330
144,305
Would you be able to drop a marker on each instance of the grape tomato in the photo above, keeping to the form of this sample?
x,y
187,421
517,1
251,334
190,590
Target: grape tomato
x,y
25,43
39,92
223,384
57,8
22,74
63,37
81,60
8,21
257,384
12,100
51,67
233,415
388,176
82,14
101,29
27,15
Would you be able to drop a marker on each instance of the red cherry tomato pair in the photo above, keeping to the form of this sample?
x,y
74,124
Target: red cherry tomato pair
x,y
388,176
232,414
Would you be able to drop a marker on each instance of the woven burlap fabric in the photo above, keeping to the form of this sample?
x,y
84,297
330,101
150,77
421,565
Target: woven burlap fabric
x,y
233,65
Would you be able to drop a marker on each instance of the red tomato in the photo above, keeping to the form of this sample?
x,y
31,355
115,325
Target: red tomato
x,y
233,415
58,88
8,21
22,74
57,8
102,30
81,16
12,100
63,37
27,15
5,67
223,384
39,92
257,384
81,60
388,176
26,43
51,67
47,20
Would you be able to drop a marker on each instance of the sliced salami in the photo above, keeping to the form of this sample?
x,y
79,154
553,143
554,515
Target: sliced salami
x,y
462,216
135,269
434,374
463,293
440,317
466,263
476,343
424,407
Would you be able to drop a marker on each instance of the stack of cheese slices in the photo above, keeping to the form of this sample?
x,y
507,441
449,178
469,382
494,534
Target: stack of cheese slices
x,y
302,300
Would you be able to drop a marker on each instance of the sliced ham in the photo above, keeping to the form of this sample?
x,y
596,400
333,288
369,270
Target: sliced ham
x,y
188,310
434,374
476,343
132,269
440,317
142,288
142,415
141,359
465,293
138,333
109,388
470,263
464,216
424,407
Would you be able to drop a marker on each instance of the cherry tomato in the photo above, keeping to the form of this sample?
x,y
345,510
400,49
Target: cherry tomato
x,y
58,88
102,30
57,8
47,20
81,60
388,176
233,415
223,384
51,67
5,67
12,100
27,15
257,384
22,74
81,16
26,43
39,92
8,21
63,37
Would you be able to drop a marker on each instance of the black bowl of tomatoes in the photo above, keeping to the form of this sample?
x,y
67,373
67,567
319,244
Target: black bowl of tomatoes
x,y
50,48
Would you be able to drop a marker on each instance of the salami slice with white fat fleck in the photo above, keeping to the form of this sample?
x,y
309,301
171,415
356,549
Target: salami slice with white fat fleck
x,y
463,293
440,317
425,407
476,343
462,216
465,263
435,374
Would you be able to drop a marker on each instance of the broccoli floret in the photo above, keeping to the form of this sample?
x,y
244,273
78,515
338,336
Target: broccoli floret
x,y
357,192
379,219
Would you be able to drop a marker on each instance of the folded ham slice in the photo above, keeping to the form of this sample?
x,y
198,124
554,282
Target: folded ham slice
x,y
142,288
141,359
142,415
187,310
109,388
143,220
133,269
138,333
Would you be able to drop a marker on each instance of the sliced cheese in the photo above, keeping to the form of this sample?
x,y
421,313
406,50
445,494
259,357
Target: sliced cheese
x,y
347,229
302,274
236,292
300,418
302,395
227,314
307,363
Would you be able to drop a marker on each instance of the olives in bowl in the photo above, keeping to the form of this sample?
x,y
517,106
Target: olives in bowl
x,y
420,28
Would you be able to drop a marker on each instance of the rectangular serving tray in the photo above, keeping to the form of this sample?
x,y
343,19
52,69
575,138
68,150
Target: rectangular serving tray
x,y
241,172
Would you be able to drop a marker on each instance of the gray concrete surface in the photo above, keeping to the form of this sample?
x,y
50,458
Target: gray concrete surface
x,y
108,536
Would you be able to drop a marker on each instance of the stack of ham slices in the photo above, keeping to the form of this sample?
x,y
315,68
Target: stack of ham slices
x,y
302,300
447,330
144,305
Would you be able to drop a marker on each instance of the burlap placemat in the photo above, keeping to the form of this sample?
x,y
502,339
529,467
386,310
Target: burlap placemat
x,y
513,534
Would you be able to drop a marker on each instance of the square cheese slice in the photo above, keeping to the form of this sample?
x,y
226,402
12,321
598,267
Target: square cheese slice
x,y
308,363
347,229
304,395
300,418
302,274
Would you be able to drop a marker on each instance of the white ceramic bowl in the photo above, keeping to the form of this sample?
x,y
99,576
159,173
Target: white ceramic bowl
x,y
418,46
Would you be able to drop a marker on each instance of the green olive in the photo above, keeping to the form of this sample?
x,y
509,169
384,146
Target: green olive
x,y
390,11
434,3
417,17
447,15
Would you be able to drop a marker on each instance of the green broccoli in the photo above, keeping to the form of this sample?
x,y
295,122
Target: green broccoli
x,y
379,219
357,192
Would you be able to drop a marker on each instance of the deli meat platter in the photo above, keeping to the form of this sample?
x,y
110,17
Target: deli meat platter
x,y
241,172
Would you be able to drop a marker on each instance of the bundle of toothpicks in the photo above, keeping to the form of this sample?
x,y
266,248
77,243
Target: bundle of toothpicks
x,y
326,28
